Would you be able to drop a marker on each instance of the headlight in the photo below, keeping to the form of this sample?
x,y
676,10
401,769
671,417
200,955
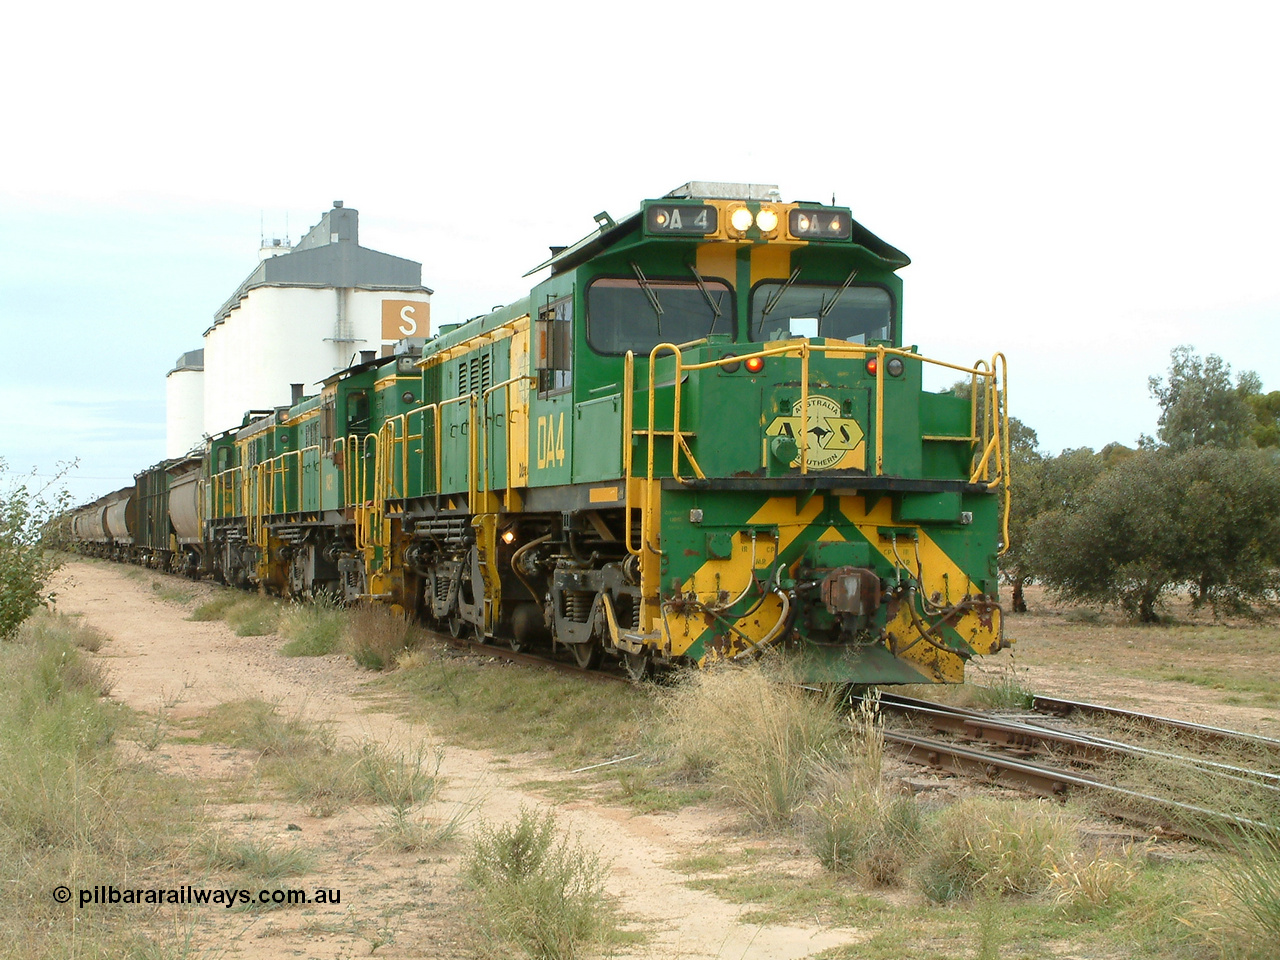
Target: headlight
x,y
894,366
741,219
767,221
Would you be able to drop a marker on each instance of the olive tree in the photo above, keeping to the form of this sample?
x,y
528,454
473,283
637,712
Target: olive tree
x,y
1200,405
1206,519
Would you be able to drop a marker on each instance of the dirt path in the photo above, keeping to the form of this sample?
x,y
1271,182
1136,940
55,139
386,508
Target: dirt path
x,y
401,905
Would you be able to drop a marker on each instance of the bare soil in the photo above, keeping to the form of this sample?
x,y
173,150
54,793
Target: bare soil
x,y
399,904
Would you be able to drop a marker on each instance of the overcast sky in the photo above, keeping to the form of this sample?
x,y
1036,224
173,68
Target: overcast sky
x,y
1082,186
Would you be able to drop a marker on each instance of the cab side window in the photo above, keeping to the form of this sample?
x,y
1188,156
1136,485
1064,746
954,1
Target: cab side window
x,y
555,347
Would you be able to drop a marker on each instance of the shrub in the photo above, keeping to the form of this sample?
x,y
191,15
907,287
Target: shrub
x,y
538,891
25,563
376,635
995,847
765,739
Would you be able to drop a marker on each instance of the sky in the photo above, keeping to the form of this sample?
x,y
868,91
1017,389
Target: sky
x,y
1080,186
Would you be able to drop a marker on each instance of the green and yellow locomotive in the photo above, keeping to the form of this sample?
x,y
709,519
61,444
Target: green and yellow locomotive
x,y
700,437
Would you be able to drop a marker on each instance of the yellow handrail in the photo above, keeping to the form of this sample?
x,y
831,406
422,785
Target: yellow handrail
x,y
989,390
504,385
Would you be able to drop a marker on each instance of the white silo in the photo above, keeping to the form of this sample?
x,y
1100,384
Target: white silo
x,y
184,404
302,315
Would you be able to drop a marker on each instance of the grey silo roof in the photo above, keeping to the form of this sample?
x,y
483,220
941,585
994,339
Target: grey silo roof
x,y
330,255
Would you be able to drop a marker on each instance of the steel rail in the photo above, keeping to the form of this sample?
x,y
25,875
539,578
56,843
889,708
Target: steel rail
x,y
1052,781
1062,708
1019,733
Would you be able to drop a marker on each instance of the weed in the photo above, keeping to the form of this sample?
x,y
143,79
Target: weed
x,y
1003,691
983,845
401,779
73,810
1083,884
512,709
376,635
217,607
762,738
257,725
538,891
1246,915
260,859
173,594
312,629
253,616
45,627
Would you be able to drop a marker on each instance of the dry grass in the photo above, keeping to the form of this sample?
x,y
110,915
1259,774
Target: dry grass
x,y
74,809
312,629
375,636
999,847
762,738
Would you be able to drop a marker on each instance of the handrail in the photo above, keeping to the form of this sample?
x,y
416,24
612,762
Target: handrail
x,y
473,462
988,393
504,385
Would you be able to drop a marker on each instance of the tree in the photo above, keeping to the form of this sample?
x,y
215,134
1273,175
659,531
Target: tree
x,y
1206,518
25,564
1266,410
1040,483
1199,404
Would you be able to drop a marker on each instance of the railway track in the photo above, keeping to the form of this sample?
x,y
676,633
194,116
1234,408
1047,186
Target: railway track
x,y
1033,752
1039,756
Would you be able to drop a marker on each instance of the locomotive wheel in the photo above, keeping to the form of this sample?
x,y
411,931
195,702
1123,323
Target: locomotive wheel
x,y
587,655
456,625
638,665
516,644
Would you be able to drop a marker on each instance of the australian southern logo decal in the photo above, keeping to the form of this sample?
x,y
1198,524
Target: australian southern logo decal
x,y
833,441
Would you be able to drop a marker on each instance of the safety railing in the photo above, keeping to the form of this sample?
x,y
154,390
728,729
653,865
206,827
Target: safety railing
x,y
508,414
226,496
988,417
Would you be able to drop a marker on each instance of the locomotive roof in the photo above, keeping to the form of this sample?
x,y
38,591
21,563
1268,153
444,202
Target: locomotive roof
x,y
610,231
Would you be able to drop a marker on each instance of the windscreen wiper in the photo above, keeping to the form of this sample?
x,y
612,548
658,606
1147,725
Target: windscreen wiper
x,y
773,301
715,307
648,292
828,307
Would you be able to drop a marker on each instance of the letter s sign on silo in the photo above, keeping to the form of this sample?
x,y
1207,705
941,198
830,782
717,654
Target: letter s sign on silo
x,y
405,318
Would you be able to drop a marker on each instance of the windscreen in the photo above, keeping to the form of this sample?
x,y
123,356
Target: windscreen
x,y
630,314
856,314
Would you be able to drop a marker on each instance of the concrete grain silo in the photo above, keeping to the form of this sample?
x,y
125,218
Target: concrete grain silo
x,y
304,313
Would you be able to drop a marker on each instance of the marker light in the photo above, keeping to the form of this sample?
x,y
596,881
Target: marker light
x,y
767,221
660,218
407,396
731,366
754,364
508,536
741,219
894,366
872,366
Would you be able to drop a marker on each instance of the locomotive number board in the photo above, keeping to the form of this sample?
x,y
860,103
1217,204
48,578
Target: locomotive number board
x,y
697,219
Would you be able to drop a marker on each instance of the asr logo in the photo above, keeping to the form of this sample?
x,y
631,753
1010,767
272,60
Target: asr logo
x,y
832,440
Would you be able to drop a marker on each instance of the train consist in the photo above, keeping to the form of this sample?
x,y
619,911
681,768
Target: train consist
x,y
700,437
